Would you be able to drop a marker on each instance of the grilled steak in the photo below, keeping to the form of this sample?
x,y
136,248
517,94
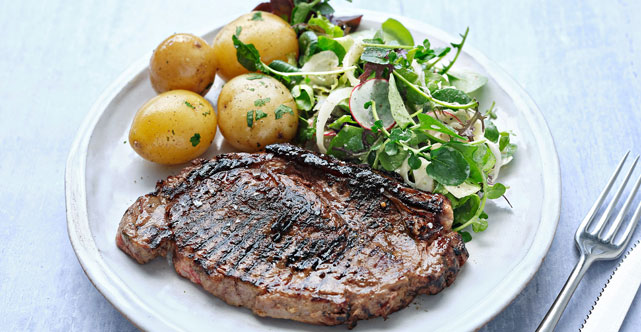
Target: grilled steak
x,y
292,234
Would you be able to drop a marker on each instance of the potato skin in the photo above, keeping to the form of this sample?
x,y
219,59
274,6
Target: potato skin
x,y
255,92
164,129
183,61
274,39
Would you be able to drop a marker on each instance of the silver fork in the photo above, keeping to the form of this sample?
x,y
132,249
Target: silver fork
x,y
597,244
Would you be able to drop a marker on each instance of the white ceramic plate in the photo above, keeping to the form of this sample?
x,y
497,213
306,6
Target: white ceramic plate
x,y
104,176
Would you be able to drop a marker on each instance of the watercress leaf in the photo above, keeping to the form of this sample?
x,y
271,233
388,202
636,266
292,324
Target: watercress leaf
x,y
391,148
479,225
508,151
470,152
378,125
399,135
338,123
308,46
328,44
466,236
325,9
466,209
397,106
374,41
414,161
451,95
467,81
349,139
301,11
247,55
448,166
483,215
304,96
305,132
504,141
375,55
491,132
427,122
408,74
397,31
434,81
495,191
392,162
283,66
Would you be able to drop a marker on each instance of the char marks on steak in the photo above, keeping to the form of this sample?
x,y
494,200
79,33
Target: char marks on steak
x,y
292,234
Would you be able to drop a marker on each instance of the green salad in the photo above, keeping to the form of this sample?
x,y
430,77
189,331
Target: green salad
x,y
377,97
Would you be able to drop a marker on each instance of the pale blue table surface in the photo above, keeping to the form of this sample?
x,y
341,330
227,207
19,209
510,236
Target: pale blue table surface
x,y
579,60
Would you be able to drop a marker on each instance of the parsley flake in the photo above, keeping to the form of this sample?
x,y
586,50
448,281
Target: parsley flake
x,y
190,105
206,113
238,30
258,16
254,76
195,140
250,119
261,102
283,109
260,114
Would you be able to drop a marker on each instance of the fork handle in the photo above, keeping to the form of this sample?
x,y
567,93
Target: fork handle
x,y
556,310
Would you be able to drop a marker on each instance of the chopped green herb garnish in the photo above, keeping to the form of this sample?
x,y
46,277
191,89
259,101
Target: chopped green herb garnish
x,y
172,132
261,102
258,16
238,31
206,113
260,114
190,105
250,119
124,142
195,140
281,110
254,76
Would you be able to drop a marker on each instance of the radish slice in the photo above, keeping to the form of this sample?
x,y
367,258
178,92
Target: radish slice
x,y
376,89
324,113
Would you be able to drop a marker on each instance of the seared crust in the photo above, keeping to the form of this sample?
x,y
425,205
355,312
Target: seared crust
x,y
292,234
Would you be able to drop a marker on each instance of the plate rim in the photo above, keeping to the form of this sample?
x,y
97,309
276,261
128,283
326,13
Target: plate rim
x,y
123,300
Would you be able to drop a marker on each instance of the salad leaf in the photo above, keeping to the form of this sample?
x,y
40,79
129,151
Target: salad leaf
x,y
327,26
466,236
328,44
469,151
466,209
376,55
448,166
504,140
349,139
414,161
496,191
308,46
467,81
247,55
338,123
304,96
479,225
397,106
397,31
391,162
301,11
451,95
429,123
491,132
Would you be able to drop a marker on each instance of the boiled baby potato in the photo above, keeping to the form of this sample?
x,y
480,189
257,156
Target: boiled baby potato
x,y
256,110
173,127
274,39
183,61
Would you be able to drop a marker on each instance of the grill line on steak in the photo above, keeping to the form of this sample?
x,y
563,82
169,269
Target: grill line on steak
x,y
292,234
